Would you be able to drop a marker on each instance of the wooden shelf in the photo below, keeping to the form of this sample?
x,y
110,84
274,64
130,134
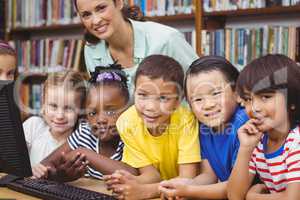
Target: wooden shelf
x,y
58,27
46,28
171,18
33,78
255,12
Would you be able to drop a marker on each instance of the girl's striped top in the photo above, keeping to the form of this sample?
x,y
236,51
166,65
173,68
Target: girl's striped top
x,y
279,168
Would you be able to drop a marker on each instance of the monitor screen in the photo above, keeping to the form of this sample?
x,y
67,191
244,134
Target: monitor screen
x,y
14,158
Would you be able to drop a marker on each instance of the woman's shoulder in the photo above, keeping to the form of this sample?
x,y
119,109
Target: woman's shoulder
x,y
154,28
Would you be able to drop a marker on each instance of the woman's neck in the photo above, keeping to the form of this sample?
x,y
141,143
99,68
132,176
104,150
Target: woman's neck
x,y
122,38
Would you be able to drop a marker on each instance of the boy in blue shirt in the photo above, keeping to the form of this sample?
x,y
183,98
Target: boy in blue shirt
x,y
210,91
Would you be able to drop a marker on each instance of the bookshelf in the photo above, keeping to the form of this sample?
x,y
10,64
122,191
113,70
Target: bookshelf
x,y
249,32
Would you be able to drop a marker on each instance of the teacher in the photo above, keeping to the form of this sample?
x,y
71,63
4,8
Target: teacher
x,y
114,34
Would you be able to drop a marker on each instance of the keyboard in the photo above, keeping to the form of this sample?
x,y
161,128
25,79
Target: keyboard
x,y
51,190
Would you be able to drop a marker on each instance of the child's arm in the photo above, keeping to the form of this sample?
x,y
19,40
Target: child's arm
x,y
56,154
103,164
180,187
188,170
206,176
259,192
203,186
240,178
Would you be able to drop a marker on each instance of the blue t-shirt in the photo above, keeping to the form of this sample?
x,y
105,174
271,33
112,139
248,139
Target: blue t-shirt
x,y
220,149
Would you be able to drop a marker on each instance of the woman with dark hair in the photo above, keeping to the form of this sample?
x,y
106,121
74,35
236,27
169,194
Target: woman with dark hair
x,y
115,35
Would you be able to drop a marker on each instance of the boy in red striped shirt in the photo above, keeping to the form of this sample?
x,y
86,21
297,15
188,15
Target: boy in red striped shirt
x,y
270,141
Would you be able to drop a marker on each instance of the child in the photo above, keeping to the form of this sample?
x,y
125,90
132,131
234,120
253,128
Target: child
x,y
160,136
97,138
210,91
269,141
63,97
8,61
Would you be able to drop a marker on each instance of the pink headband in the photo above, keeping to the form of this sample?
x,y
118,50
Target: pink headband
x,y
5,45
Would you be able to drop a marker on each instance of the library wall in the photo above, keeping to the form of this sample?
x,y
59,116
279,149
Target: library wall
x,y
242,31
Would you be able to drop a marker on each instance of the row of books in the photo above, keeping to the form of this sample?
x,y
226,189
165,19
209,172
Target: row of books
x,y
190,36
48,55
31,98
32,13
241,45
222,5
163,7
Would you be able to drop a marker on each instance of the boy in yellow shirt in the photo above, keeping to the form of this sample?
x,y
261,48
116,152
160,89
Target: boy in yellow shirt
x,y
160,136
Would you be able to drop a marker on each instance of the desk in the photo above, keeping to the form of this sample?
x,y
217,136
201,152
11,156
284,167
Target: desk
x,y
87,183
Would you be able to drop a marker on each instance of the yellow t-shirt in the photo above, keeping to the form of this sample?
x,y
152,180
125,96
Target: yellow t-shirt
x,y
179,144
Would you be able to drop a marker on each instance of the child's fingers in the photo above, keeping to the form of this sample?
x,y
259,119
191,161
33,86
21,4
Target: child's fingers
x,y
168,192
36,173
113,181
164,184
39,171
82,169
106,177
126,174
118,188
68,163
79,162
251,129
118,196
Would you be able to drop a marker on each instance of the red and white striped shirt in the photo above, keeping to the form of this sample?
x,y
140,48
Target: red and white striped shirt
x,y
281,167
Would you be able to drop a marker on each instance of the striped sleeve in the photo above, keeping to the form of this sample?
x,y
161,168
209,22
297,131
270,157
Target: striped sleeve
x,y
73,139
119,152
82,137
293,160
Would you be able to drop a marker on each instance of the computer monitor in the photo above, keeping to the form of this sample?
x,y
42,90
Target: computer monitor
x,y
14,158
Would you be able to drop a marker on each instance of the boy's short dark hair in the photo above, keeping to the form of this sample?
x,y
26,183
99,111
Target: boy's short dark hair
x,y
161,66
210,63
273,72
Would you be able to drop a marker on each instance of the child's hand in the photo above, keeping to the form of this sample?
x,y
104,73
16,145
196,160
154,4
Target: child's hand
x,y
256,189
249,135
174,188
71,167
40,171
125,186
111,180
